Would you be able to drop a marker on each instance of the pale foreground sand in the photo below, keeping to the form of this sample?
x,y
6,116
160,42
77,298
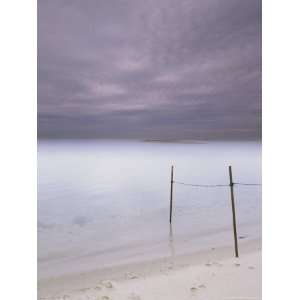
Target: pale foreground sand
x,y
212,274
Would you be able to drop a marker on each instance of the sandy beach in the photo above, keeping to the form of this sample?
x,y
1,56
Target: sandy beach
x,y
211,274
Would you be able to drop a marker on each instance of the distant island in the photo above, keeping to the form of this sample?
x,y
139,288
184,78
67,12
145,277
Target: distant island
x,y
175,141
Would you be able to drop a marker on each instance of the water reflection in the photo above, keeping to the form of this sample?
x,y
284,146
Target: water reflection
x,y
171,242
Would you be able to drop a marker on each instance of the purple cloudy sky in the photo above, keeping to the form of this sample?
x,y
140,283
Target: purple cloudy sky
x,y
149,69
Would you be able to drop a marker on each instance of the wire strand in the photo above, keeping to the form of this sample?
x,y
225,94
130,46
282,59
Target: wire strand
x,y
216,185
241,183
201,185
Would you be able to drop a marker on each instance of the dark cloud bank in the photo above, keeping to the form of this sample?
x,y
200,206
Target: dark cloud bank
x,y
149,69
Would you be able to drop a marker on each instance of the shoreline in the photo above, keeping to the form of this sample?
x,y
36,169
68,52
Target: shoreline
x,y
134,280
70,262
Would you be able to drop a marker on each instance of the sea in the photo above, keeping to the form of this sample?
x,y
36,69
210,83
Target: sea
x,y
103,203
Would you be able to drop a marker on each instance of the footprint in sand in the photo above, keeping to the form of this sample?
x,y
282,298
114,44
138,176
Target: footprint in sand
x,y
84,290
131,275
134,297
196,288
214,263
108,284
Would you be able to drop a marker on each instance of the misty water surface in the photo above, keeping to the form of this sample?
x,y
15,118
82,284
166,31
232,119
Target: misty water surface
x,y
108,201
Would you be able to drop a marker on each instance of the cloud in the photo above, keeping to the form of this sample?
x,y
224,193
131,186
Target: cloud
x,y
149,69
106,90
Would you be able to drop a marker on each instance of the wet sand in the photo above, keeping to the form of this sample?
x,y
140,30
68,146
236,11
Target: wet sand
x,y
210,274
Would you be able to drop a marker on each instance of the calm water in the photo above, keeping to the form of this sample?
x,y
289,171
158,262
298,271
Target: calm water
x,y
107,202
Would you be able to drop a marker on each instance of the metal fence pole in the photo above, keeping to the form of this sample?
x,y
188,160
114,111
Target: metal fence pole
x,y
171,195
233,214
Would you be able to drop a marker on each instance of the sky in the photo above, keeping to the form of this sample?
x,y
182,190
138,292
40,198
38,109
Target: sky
x,y
149,69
